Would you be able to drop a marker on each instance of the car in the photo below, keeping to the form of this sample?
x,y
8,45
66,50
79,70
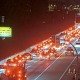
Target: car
x,y
27,56
35,52
73,35
18,59
57,54
44,55
19,56
52,50
11,62
79,39
69,51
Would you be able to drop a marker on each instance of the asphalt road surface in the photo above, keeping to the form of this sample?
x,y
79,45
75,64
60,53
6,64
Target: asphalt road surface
x,y
49,70
54,69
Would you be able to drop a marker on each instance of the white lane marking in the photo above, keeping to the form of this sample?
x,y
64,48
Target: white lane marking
x,y
66,69
33,64
47,68
28,66
35,61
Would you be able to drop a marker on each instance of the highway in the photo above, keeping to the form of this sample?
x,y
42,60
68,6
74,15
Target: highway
x,y
49,70
54,69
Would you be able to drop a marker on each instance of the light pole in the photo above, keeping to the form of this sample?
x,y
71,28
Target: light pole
x,y
77,60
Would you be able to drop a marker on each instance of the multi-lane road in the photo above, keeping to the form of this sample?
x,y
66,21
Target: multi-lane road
x,y
54,69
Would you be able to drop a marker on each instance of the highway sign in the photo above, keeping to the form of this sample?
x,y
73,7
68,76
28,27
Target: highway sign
x,y
5,32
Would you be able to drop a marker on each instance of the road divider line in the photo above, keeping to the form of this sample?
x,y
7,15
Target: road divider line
x,y
47,67
67,68
34,63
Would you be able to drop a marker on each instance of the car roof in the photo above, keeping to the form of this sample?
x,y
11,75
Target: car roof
x,y
26,54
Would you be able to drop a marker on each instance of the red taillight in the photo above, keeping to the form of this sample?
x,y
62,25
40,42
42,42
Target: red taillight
x,y
50,40
59,46
46,45
51,48
72,51
25,76
50,43
42,48
8,71
19,72
19,75
12,60
38,46
35,47
40,55
14,64
19,61
29,56
46,42
43,43
20,55
5,64
47,56
14,75
23,58
19,79
54,46
16,58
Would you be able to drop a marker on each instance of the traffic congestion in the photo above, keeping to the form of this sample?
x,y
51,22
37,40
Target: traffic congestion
x,y
53,47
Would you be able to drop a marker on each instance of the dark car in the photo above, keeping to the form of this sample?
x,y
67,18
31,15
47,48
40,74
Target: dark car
x,y
35,52
52,50
69,51
27,56
19,56
11,62
44,55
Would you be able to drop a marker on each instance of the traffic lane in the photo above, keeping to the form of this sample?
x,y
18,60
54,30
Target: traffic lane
x,y
78,50
69,75
37,59
34,70
55,70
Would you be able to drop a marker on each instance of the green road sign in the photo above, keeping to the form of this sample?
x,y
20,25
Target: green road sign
x,y
5,32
